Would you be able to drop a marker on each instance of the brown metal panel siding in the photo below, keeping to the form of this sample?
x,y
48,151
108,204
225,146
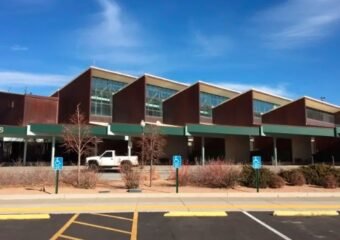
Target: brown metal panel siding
x,y
183,107
236,111
128,105
40,109
77,92
337,118
11,109
291,114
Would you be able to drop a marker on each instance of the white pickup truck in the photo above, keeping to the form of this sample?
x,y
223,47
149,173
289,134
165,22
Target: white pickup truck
x,y
109,160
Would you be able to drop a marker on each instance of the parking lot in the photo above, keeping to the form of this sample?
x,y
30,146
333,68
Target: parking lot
x,y
149,226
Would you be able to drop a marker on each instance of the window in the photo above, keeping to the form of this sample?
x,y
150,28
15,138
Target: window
x,y
101,95
107,154
154,98
208,101
320,116
261,107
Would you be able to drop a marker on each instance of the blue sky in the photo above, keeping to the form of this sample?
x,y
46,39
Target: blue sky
x,y
287,47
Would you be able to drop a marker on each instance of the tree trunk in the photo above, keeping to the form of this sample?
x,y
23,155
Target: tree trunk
x,y
78,173
151,172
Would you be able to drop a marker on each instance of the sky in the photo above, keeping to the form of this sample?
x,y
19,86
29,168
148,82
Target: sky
x,y
285,47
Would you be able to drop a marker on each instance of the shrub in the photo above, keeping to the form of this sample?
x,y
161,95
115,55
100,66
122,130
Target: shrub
x,y
248,177
155,175
293,177
315,174
184,177
216,174
297,178
88,178
330,181
276,181
22,177
132,178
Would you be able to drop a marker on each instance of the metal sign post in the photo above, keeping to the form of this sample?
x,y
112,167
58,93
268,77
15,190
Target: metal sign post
x,y
257,164
176,163
57,166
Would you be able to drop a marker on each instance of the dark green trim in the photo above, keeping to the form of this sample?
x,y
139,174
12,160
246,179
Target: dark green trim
x,y
297,130
126,129
12,131
219,130
337,131
173,131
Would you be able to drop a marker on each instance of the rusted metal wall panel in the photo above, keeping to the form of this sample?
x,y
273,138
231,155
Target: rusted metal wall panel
x,y
128,105
291,114
237,111
40,109
183,107
11,109
337,118
76,92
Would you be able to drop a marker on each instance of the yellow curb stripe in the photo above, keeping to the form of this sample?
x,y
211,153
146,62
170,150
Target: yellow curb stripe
x,y
63,229
112,216
101,227
304,213
24,216
69,237
134,226
195,214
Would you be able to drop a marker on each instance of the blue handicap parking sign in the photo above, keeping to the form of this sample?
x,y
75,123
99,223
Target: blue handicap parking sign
x,y
58,163
257,163
176,161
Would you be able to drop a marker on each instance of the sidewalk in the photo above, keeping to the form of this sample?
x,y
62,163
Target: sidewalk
x,y
86,203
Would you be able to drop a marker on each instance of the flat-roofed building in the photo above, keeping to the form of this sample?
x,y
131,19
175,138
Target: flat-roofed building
x,y
142,99
93,90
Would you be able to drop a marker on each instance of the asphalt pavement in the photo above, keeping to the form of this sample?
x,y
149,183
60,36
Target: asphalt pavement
x,y
155,226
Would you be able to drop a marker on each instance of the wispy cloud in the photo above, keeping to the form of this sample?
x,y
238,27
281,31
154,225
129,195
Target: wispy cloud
x,y
19,48
299,22
114,37
211,45
112,28
12,79
279,89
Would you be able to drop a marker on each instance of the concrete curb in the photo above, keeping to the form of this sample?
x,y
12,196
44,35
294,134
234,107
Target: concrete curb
x,y
171,195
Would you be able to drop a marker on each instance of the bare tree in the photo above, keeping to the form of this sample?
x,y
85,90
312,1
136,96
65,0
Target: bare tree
x,y
77,137
151,146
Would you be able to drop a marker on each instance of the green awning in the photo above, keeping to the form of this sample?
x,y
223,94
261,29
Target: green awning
x,y
221,130
297,130
12,131
137,130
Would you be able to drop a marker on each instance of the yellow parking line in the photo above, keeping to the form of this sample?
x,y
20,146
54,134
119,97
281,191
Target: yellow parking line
x,y
24,216
134,226
304,213
63,229
69,237
112,216
195,214
101,227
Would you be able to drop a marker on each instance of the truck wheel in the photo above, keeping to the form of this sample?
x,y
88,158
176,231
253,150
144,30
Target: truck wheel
x,y
93,166
125,166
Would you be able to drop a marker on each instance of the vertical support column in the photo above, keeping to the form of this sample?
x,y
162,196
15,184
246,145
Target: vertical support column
x,y
129,146
25,152
53,151
251,147
312,142
203,151
275,151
